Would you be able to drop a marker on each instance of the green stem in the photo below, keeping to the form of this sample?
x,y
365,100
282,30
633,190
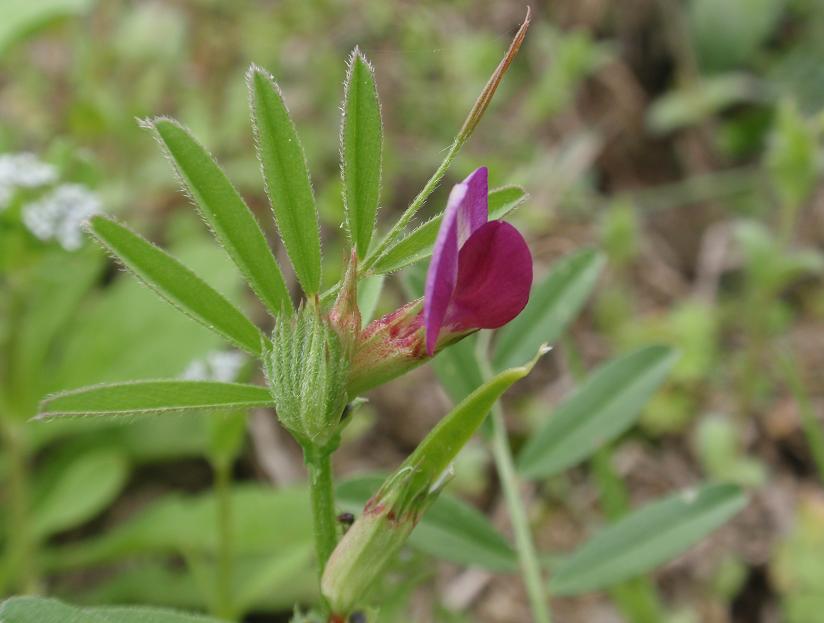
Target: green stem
x,y
225,575
319,463
527,555
524,545
21,545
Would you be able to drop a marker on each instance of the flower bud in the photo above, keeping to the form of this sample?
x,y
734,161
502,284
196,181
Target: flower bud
x,y
307,368
376,537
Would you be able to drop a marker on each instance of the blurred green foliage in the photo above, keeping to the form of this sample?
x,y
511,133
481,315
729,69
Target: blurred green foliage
x,y
727,137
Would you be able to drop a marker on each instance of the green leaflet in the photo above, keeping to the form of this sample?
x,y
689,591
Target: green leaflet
x,y
143,397
361,150
41,610
553,304
417,245
84,488
177,284
286,177
228,216
646,538
602,408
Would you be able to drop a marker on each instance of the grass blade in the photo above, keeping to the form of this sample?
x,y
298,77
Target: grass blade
x,y
286,177
177,284
227,215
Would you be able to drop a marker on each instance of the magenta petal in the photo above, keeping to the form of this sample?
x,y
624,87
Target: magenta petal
x,y
443,270
494,278
473,210
466,211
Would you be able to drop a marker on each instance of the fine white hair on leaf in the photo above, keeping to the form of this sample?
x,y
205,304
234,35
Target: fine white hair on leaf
x,y
61,215
347,82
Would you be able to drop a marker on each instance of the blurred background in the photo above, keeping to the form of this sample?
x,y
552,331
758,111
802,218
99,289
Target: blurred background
x,y
682,138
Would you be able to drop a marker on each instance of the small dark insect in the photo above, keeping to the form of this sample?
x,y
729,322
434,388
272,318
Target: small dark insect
x,y
357,617
347,519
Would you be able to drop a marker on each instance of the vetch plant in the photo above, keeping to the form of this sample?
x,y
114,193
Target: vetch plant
x,y
319,359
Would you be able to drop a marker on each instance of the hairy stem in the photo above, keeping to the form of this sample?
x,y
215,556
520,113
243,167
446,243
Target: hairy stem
x,y
319,464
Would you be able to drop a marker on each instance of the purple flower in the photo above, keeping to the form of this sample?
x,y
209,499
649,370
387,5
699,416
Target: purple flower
x,y
481,271
479,278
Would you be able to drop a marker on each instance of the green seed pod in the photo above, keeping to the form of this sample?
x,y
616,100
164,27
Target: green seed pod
x,y
307,368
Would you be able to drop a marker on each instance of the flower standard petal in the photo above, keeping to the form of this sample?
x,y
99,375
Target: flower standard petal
x,y
494,278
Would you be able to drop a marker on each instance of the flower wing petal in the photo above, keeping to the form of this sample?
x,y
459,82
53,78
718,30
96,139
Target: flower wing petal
x,y
473,211
443,269
466,211
494,278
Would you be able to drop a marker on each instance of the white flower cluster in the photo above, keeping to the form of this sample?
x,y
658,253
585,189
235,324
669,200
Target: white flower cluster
x,y
23,170
60,214
222,366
